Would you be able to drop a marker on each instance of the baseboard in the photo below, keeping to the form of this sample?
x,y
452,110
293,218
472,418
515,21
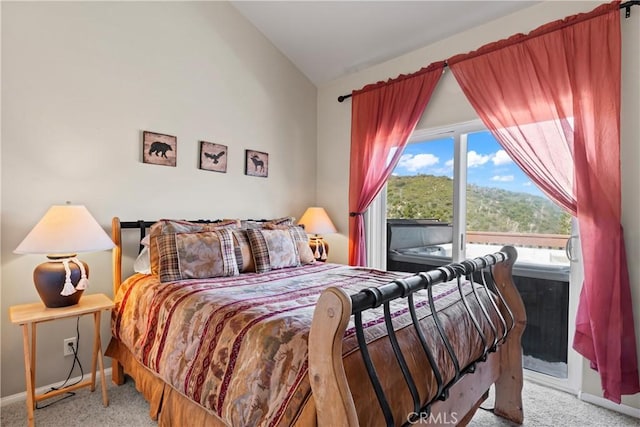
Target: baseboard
x,y
22,397
605,403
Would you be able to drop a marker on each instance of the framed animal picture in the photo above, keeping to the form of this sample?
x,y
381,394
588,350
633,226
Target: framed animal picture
x,y
213,157
159,149
256,163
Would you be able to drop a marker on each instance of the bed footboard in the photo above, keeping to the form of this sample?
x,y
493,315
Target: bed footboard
x,y
455,401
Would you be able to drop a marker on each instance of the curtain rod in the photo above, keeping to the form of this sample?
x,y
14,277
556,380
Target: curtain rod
x,y
627,13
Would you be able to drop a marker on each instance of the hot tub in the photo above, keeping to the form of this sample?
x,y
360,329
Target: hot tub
x,y
416,245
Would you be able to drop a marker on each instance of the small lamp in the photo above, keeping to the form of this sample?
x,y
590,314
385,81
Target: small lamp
x,y
316,221
61,234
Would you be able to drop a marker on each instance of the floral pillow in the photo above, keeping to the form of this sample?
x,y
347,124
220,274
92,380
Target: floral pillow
x,y
170,226
301,239
196,255
273,249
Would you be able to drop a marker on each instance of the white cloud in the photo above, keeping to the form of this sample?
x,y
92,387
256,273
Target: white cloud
x,y
474,159
449,163
528,184
502,178
419,161
501,158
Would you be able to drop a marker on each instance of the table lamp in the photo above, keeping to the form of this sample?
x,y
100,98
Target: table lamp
x,y
316,221
61,234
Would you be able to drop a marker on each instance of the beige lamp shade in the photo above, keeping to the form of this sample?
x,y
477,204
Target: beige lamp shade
x,y
61,233
67,229
316,221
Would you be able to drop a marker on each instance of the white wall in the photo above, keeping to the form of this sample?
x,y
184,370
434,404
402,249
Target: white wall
x,y
82,80
449,106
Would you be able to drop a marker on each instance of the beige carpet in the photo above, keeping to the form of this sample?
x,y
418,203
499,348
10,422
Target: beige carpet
x,y
542,406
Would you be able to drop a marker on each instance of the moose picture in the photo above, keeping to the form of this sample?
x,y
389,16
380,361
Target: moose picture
x,y
256,163
213,157
159,149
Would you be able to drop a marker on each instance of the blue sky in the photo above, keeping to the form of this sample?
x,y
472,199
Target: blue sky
x,y
488,165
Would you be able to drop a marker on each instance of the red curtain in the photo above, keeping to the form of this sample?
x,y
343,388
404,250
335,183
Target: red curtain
x,y
552,99
383,116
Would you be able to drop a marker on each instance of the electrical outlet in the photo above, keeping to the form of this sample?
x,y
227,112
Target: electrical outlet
x,y
69,345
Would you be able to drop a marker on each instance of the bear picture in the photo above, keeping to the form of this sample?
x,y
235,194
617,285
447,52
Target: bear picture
x,y
159,149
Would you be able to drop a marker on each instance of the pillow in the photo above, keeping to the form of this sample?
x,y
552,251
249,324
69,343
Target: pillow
x,y
273,249
301,239
142,264
196,255
305,252
243,253
169,227
250,223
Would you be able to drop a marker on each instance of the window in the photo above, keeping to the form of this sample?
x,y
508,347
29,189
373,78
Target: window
x,y
495,202
505,207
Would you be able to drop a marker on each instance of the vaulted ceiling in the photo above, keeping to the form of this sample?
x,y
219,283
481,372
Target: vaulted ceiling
x,y
329,39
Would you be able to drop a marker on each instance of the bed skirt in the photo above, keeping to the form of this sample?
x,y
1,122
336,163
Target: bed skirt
x,y
168,406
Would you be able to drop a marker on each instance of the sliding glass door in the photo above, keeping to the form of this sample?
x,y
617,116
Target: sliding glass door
x,y
456,194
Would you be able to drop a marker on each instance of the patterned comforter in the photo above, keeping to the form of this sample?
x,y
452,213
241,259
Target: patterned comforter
x,y
238,345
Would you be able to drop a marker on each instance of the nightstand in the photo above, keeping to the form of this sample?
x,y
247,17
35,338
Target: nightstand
x,y
32,314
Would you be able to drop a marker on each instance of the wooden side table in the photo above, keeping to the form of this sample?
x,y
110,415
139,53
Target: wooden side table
x,y
32,314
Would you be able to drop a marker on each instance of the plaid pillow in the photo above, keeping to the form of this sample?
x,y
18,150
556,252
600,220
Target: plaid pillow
x,y
273,249
196,255
244,256
166,258
171,226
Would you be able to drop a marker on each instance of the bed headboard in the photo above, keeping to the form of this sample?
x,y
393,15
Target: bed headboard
x,y
116,236
142,226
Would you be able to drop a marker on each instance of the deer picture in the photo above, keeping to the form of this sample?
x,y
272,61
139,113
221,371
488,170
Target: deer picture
x,y
258,164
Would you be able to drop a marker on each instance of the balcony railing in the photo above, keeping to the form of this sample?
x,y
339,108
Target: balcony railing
x,y
548,241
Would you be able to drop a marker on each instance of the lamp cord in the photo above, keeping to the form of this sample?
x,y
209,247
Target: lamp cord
x,y
64,384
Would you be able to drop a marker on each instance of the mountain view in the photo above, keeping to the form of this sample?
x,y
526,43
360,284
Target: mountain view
x,y
488,209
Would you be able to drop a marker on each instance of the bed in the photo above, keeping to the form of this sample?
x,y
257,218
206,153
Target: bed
x,y
312,343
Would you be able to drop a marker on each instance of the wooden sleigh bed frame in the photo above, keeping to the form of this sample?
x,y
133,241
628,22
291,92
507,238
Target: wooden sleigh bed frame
x,y
455,402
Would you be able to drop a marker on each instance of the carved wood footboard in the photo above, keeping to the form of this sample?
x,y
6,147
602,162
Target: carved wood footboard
x,y
454,401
